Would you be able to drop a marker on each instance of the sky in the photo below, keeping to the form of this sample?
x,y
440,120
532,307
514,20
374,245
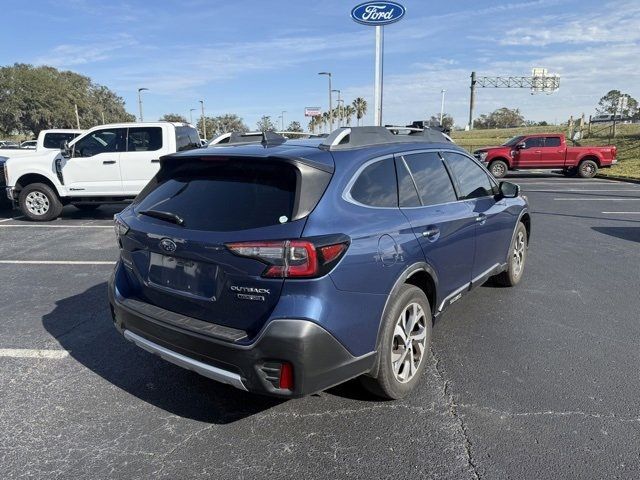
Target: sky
x,y
257,58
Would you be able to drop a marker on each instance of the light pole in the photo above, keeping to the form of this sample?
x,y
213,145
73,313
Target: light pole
x,y
338,102
282,117
328,74
204,124
140,90
191,114
443,91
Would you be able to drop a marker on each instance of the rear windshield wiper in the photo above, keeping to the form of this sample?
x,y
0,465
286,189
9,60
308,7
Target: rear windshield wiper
x,y
168,216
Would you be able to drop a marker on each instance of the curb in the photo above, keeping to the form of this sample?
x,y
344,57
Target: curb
x,y
619,179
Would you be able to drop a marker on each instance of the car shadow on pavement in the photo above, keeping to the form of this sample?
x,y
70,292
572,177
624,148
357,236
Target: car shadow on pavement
x,y
626,233
82,325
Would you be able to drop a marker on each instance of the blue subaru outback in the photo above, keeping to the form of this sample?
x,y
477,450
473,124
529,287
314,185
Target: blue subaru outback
x,y
288,266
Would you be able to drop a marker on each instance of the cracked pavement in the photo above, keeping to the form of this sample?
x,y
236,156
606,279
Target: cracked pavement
x,y
539,381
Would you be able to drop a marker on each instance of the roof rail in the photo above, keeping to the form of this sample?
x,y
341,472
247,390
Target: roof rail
x,y
270,137
267,138
358,137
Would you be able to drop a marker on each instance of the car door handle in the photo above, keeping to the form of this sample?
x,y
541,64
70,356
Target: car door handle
x,y
155,160
481,218
108,162
537,151
431,233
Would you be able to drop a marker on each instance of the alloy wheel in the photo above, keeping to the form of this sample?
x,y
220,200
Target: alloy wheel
x,y
409,342
518,254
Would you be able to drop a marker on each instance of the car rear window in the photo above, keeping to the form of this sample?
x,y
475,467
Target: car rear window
x,y
187,138
228,196
57,139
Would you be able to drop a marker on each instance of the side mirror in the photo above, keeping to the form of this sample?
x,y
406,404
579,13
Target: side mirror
x,y
65,150
509,190
521,145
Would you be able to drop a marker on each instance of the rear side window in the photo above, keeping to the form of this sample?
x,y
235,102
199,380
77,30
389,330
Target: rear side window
x,y
187,138
552,141
229,196
472,179
431,177
56,140
144,139
376,185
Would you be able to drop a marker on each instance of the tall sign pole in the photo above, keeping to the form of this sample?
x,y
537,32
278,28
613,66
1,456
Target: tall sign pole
x,y
377,89
378,14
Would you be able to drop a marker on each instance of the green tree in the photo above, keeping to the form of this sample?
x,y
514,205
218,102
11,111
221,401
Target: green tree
x,y
315,123
349,111
265,124
37,98
609,103
229,122
174,117
447,120
360,104
501,118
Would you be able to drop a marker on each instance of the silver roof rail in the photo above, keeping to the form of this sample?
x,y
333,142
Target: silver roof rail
x,y
358,137
226,138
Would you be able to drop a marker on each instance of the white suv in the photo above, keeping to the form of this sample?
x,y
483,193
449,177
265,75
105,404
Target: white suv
x,y
107,164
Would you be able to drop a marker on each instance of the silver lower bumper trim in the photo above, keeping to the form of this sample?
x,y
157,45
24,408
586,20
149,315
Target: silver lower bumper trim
x,y
209,371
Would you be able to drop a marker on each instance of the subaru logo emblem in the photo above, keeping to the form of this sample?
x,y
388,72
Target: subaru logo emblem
x,y
377,13
168,245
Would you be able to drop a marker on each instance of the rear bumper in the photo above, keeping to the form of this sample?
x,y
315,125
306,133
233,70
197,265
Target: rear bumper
x,y
319,360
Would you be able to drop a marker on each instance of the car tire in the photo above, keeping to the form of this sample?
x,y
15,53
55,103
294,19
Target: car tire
x,y
517,259
587,169
39,202
498,168
87,207
409,311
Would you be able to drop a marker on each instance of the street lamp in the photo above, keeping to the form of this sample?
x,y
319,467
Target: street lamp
x,y
191,114
443,91
338,102
140,90
328,74
282,117
204,124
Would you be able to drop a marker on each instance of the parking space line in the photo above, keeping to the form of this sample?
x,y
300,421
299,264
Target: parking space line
x,y
575,190
55,262
623,213
54,226
13,218
621,199
32,353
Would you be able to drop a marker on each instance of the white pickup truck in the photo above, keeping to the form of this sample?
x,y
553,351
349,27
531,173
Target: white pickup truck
x,y
107,164
48,140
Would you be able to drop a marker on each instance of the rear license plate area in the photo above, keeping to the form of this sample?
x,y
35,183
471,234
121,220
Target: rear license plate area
x,y
183,276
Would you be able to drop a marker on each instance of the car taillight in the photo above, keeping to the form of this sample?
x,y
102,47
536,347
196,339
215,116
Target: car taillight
x,y
294,258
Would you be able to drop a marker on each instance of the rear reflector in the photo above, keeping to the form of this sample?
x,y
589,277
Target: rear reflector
x,y
286,376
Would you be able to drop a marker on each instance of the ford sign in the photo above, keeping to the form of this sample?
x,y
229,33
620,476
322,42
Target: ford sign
x,y
377,13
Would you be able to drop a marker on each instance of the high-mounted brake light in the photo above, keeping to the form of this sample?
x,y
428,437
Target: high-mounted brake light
x,y
292,258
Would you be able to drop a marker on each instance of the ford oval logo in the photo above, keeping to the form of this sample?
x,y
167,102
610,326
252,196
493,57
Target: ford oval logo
x,y
168,245
377,13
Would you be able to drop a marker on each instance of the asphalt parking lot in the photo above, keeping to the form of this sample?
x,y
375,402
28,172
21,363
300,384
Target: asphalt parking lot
x,y
538,381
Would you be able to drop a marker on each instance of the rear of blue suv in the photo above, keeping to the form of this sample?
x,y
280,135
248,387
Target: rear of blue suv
x,y
287,267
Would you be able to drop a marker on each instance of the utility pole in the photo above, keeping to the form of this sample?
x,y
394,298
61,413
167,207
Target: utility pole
x,y
472,99
77,116
443,91
338,102
103,122
204,124
140,90
328,74
191,115
282,117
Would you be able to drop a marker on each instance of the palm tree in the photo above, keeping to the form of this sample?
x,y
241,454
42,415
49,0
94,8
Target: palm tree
x,y
325,119
349,111
360,105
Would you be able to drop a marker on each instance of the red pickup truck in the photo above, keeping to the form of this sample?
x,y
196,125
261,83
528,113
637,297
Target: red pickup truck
x,y
546,151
